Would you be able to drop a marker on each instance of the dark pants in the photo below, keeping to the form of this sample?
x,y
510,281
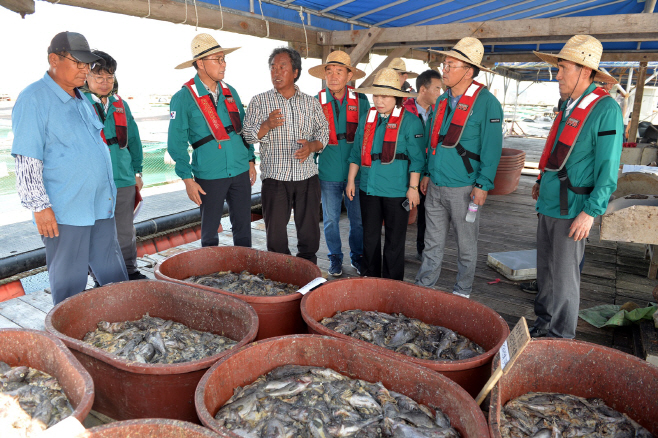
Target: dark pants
x,y
75,250
558,277
374,210
236,191
279,198
420,223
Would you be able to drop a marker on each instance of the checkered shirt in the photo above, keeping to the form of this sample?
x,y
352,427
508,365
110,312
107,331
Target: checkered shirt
x,y
304,120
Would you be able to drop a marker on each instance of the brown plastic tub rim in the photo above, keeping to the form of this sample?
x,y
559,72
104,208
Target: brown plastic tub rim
x,y
177,427
208,419
446,365
137,367
84,406
496,404
248,298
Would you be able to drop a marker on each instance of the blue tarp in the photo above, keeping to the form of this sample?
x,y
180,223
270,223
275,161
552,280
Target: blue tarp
x,y
539,71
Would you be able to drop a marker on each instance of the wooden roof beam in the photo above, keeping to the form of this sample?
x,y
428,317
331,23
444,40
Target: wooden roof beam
x,y
209,17
649,6
491,58
23,7
396,53
364,46
623,27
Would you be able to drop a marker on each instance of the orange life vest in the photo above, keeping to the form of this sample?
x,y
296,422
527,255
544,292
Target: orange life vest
x,y
389,145
554,159
120,123
456,128
209,111
352,116
232,108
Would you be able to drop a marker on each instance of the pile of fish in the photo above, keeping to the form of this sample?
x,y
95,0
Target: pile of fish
x,y
404,335
244,283
304,401
30,401
155,340
551,415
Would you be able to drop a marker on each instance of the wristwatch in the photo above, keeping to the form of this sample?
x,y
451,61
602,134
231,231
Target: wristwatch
x,y
138,175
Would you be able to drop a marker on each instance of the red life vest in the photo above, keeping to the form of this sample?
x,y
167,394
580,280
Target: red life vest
x,y
554,159
207,108
389,145
232,108
352,116
120,123
456,128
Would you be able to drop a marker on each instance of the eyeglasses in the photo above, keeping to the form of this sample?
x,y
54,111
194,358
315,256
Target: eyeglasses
x,y
101,79
80,65
448,67
219,60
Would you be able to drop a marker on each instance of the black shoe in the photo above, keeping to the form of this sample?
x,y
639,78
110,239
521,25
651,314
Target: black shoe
x,y
358,266
537,332
530,287
137,276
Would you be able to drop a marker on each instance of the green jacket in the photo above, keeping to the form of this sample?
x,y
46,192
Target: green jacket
x,y
332,161
482,135
391,180
594,162
187,125
128,161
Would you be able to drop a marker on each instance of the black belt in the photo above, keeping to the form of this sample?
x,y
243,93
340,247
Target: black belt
x,y
341,136
467,156
376,157
197,144
565,184
114,140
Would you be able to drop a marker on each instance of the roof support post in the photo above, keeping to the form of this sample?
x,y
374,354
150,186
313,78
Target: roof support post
x,y
396,53
649,6
365,44
637,105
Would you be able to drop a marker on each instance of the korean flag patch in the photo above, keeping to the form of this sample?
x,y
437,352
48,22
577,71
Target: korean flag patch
x,y
172,115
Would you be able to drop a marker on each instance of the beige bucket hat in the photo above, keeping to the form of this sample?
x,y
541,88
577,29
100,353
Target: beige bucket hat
x,y
204,45
584,50
469,50
386,83
337,57
398,65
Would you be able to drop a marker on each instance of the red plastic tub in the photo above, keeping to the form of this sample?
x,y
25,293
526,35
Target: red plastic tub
x,y
129,390
277,316
421,384
151,428
508,173
44,352
626,383
469,318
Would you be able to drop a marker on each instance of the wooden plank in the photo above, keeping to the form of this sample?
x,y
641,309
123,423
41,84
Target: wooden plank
x,y
210,17
609,56
40,300
398,52
363,47
6,323
23,314
621,27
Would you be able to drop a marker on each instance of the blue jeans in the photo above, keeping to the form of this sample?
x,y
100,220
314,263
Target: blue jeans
x,y
332,197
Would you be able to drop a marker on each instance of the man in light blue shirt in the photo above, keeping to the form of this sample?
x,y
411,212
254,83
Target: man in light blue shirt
x,y
64,172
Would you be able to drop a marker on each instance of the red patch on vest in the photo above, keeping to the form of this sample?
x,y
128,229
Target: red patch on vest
x,y
392,125
229,99
573,122
351,108
119,110
462,107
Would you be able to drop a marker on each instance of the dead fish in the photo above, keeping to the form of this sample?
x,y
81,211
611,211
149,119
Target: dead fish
x,y
404,335
155,340
552,415
302,401
244,283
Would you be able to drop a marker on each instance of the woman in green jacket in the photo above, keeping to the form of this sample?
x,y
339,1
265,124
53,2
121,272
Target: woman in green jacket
x,y
389,149
122,138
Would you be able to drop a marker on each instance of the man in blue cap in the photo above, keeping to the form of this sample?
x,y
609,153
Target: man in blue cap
x,y
64,172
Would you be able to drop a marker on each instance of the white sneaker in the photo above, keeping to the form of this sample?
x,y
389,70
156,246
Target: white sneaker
x,y
454,292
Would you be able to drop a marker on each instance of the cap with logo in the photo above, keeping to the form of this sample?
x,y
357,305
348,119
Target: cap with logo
x,y
73,43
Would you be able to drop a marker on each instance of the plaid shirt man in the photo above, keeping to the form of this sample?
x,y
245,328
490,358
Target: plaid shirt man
x,y
304,119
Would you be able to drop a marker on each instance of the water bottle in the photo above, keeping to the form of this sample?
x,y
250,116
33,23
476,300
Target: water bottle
x,y
472,212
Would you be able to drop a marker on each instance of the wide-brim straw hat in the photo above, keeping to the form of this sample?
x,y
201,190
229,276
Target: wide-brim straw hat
x,y
584,50
468,49
337,57
399,66
204,45
386,83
